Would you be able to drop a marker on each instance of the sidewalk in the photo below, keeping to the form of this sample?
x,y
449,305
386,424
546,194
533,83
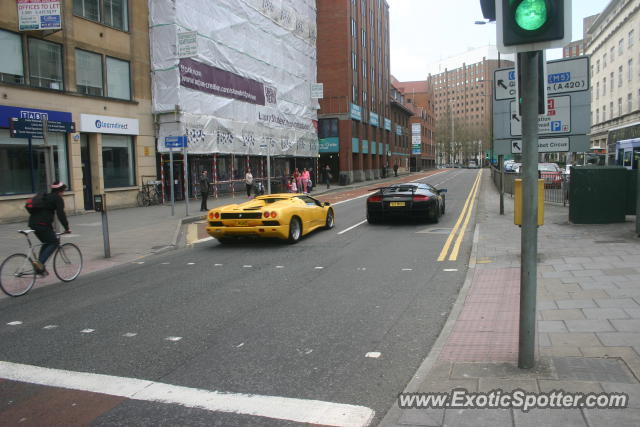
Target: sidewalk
x,y
137,232
588,328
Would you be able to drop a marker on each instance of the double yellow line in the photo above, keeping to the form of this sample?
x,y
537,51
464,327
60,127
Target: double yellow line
x,y
464,215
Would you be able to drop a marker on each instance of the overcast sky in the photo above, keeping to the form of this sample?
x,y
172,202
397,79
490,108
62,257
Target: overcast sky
x,y
427,31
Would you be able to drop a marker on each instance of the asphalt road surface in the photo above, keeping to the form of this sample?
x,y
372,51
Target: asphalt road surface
x,y
342,319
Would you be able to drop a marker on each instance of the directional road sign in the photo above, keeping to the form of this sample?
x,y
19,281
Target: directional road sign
x,y
32,128
545,145
563,76
557,120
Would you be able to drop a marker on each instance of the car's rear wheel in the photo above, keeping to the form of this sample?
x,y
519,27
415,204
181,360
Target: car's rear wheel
x,y
435,215
372,219
330,222
295,230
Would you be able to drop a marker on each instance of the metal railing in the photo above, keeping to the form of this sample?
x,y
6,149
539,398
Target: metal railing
x,y
556,185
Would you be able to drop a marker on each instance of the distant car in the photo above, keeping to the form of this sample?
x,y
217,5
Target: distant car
x,y
284,216
406,201
508,165
551,174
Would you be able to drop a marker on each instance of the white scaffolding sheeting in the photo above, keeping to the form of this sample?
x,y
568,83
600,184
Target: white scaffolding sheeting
x,y
247,89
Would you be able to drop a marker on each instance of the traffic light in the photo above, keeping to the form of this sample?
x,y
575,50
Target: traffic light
x,y
488,9
528,25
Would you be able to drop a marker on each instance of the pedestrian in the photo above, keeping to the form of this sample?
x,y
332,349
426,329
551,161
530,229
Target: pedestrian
x,y
42,208
305,179
292,185
248,181
395,169
297,176
204,191
326,175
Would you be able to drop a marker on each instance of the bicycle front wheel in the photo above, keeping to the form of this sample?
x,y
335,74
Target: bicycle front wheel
x,y
17,275
67,262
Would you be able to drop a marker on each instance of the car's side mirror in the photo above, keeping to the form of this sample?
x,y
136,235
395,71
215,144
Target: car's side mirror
x,y
327,204
444,190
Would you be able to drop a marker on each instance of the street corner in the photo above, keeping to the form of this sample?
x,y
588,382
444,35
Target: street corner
x,y
196,232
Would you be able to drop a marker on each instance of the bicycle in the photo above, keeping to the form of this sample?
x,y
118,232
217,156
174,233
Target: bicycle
x,y
17,274
149,194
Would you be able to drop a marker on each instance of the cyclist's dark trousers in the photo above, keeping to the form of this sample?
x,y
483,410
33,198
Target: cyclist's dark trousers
x,y
49,239
203,203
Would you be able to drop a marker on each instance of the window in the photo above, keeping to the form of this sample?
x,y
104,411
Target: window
x,y
598,66
45,64
114,13
630,69
611,82
89,73
24,163
604,61
364,69
118,79
620,76
11,70
117,161
611,110
327,128
604,113
629,103
364,39
630,38
612,53
354,61
620,46
604,86
353,28
598,90
619,106
354,94
597,115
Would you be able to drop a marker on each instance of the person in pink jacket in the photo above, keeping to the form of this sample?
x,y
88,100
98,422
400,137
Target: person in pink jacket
x,y
306,176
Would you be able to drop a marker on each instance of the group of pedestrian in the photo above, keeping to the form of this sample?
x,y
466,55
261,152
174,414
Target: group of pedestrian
x,y
300,182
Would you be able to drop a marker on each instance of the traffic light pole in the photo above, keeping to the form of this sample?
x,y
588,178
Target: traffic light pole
x,y
529,232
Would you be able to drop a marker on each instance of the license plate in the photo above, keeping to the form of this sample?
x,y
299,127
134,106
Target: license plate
x,y
242,222
396,204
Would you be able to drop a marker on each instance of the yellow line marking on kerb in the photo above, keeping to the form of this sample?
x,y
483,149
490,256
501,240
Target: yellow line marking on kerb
x,y
447,245
456,248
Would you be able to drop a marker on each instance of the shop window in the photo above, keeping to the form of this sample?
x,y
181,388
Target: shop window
x,y
24,164
45,64
89,73
11,69
327,128
118,79
118,161
114,13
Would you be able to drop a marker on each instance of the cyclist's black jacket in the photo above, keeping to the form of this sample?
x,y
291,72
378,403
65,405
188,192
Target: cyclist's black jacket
x,y
51,203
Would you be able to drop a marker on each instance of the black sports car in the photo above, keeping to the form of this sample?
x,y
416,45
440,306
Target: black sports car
x,y
410,201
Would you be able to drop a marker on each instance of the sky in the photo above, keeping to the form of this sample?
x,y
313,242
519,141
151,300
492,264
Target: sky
x,y
426,31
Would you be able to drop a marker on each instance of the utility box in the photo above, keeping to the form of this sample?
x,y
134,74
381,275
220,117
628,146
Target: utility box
x,y
517,213
632,191
598,195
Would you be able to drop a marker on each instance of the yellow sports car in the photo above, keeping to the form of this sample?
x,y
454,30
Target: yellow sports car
x,y
284,216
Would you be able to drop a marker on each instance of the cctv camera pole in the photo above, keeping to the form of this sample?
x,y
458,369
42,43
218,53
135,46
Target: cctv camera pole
x,y
529,233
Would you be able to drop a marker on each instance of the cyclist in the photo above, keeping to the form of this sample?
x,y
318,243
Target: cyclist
x,y
45,205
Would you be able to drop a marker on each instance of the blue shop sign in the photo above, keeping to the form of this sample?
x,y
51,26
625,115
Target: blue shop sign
x,y
356,112
373,147
387,124
7,112
330,145
355,145
365,146
373,119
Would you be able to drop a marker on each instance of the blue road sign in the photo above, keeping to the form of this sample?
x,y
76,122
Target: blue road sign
x,y
556,126
32,128
175,141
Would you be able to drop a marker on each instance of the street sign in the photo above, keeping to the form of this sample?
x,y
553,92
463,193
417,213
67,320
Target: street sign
x,y
545,145
32,128
563,76
557,120
317,90
175,141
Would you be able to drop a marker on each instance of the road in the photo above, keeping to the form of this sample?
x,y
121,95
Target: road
x,y
344,317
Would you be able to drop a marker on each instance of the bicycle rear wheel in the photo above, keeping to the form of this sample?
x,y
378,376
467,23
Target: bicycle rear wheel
x,y
142,199
17,275
67,262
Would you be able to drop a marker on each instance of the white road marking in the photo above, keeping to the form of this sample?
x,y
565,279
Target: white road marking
x,y
247,266
87,331
352,227
14,323
217,265
129,334
139,262
281,408
450,269
191,263
50,327
206,239
407,269
279,266
362,268
318,268
373,354
165,263
240,345
173,339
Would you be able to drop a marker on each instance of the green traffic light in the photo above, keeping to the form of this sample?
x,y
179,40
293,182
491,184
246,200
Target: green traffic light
x,y
531,14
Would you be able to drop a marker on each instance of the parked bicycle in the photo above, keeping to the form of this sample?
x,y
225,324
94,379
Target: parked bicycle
x,y
17,274
149,194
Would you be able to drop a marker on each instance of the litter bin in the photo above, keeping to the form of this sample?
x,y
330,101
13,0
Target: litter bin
x,y
343,179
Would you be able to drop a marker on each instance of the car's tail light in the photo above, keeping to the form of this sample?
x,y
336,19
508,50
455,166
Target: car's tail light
x,y
375,198
210,215
420,198
273,214
266,214
216,215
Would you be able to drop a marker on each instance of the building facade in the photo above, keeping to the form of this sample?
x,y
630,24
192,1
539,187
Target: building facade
x,y
355,125
419,98
94,72
614,47
238,86
462,99
401,115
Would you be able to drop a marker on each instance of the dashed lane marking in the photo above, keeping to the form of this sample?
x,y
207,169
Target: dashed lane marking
x,y
373,354
279,266
15,323
407,269
450,269
280,408
191,263
174,339
130,334
87,331
50,327
247,266
352,227
318,268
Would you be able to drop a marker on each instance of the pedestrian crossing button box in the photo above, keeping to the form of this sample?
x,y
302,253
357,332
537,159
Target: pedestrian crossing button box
x,y
100,203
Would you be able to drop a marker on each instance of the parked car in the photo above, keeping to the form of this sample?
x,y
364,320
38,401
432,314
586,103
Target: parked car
x,y
406,201
284,216
551,173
